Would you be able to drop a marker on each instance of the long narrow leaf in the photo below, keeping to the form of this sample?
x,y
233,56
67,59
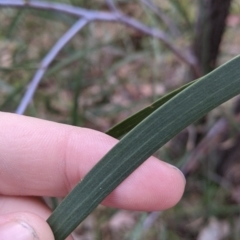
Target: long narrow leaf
x,y
129,123
140,143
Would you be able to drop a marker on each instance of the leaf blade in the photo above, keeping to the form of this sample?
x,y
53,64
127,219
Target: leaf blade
x,y
129,123
158,128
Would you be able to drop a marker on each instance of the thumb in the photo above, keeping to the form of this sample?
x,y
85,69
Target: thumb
x,y
24,226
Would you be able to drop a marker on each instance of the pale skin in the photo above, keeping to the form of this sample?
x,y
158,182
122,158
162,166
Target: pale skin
x,y
43,158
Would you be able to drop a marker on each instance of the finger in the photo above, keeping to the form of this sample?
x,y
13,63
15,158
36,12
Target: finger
x,y
44,158
24,226
24,217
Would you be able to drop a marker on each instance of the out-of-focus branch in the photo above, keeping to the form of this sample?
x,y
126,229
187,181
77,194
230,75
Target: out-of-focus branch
x,y
210,28
114,16
150,220
112,6
60,7
47,61
167,21
211,140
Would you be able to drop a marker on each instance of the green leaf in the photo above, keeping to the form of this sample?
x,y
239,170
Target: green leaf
x,y
129,123
185,108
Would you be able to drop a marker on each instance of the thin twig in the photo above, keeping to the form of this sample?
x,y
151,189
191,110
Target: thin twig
x,y
112,6
210,141
59,7
150,220
47,61
114,16
167,21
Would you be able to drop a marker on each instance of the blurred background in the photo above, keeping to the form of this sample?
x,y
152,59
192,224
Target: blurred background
x,y
109,71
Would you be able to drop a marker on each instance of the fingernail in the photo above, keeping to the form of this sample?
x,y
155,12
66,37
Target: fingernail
x,y
178,171
17,230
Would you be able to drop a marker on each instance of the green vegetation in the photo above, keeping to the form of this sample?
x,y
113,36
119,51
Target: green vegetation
x,y
108,72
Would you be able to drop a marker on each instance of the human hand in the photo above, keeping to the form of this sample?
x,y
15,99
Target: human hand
x,y
42,158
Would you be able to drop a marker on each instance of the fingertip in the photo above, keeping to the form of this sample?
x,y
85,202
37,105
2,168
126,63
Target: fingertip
x,y
24,225
178,184
155,186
